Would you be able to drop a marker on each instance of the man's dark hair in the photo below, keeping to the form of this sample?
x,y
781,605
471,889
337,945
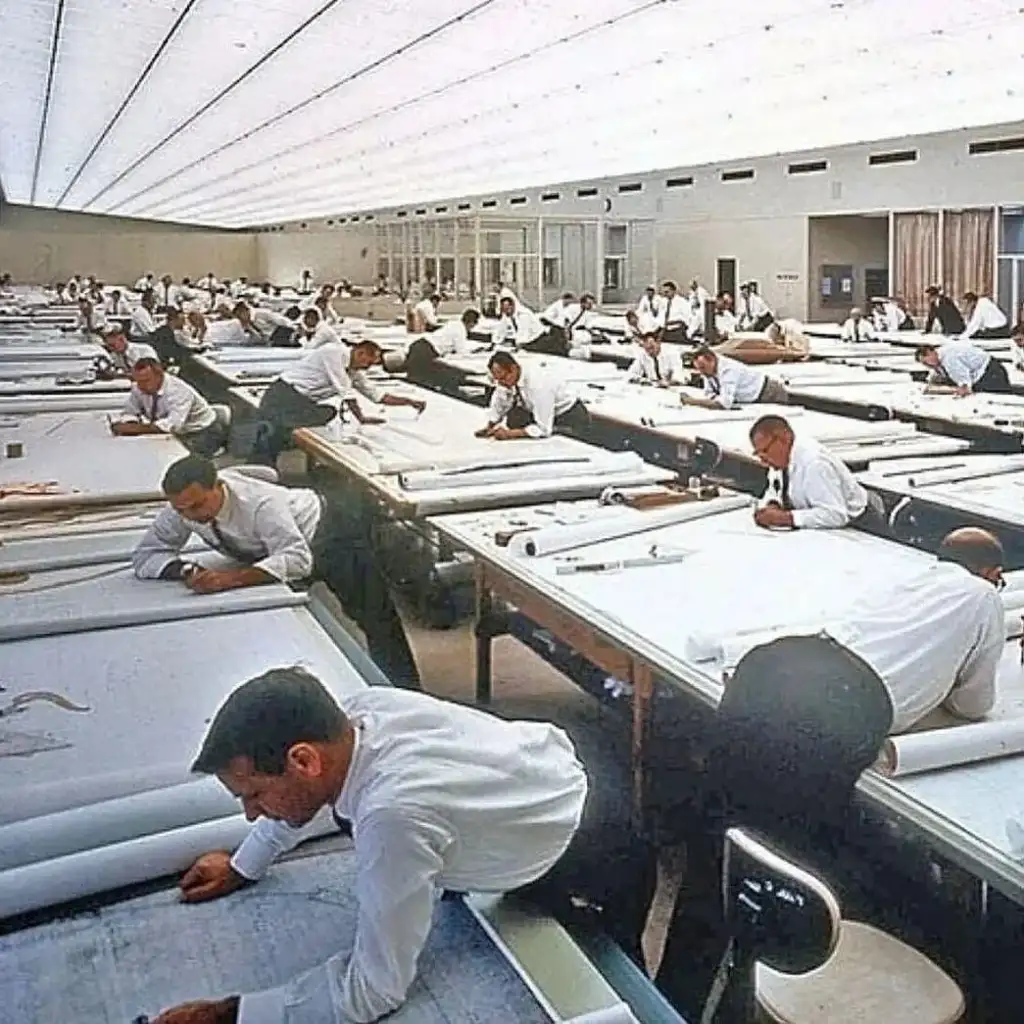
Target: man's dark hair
x,y
770,425
193,469
932,290
972,548
368,343
502,359
311,316
670,284
470,317
240,307
568,295
147,363
265,717
703,350
970,296
924,350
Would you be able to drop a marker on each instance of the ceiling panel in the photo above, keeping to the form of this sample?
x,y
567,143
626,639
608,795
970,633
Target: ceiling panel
x,y
238,113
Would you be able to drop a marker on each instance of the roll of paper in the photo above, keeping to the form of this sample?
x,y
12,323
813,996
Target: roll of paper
x,y
551,539
918,752
608,464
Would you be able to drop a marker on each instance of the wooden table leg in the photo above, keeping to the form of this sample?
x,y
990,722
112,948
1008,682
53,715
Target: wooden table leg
x,y
483,631
643,692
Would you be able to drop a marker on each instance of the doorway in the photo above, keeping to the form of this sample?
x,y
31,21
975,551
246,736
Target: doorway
x,y
725,277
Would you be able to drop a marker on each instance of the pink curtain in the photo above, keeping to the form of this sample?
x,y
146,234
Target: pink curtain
x,y
968,252
916,250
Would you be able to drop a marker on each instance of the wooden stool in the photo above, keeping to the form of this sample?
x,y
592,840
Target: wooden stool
x,y
871,978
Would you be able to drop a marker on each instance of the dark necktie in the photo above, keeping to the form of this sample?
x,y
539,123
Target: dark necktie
x,y
515,326
668,309
226,546
572,326
786,502
714,386
154,403
344,825
856,331
657,368
517,397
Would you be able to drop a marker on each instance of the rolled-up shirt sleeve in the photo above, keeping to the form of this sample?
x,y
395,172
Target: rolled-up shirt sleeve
x,y
179,406
501,403
266,842
824,495
132,408
543,424
289,556
161,545
399,857
336,369
366,387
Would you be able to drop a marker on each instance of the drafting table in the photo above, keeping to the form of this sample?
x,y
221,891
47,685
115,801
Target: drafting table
x,y
85,463
44,351
40,379
13,405
613,620
573,371
442,439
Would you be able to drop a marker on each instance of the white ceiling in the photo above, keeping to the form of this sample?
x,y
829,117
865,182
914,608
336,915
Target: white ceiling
x,y
245,112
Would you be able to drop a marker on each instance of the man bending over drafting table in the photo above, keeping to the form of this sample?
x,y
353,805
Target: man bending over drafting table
x,y
728,383
809,488
436,796
278,534
529,402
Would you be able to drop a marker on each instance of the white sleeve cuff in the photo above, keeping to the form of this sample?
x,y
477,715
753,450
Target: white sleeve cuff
x,y
266,1007
253,858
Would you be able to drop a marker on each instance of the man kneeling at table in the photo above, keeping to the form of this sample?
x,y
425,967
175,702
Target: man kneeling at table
x,y
809,488
530,402
436,796
160,403
728,382
960,368
656,363
278,535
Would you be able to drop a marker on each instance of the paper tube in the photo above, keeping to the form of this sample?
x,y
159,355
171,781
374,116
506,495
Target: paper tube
x,y
604,464
918,752
551,539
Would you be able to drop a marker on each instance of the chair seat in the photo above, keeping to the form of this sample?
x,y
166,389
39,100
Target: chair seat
x,y
871,978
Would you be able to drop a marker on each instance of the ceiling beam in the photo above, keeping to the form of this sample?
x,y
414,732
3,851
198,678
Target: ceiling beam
x,y
58,24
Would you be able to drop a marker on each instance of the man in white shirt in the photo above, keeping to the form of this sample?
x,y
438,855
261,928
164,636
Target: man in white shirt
x,y
650,308
278,535
725,319
172,340
209,282
296,399
265,327
530,403
167,294
809,488
421,359
239,287
424,314
116,305
145,283
160,403
754,314
697,297
142,322
984,318
856,328
656,363
437,796
675,315
120,355
314,332
554,315
517,325
961,368
90,323
789,335
728,383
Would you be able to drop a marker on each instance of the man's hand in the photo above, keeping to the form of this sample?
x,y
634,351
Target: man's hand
x,y
772,515
418,404
225,1011
962,392
505,434
684,399
211,877
484,431
371,421
211,581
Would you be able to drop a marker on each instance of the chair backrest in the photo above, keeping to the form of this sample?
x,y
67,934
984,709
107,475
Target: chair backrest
x,y
777,914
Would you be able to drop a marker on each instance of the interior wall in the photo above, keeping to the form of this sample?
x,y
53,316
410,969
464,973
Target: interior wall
x,y
769,250
860,242
347,252
45,246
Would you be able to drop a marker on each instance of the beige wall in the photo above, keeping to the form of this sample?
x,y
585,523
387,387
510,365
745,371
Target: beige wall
x,y
769,250
861,242
43,246
348,252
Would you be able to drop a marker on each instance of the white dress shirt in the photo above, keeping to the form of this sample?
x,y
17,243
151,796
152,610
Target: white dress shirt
x,y
272,526
225,332
735,383
451,339
667,366
143,284
555,313
650,308
752,308
541,393
964,364
726,323
142,324
167,294
177,408
519,329
822,491
857,331
133,352
440,796
326,311
119,308
674,310
266,321
427,312
324,334
935,639
92,323
238,289
324,373
987,316
576,318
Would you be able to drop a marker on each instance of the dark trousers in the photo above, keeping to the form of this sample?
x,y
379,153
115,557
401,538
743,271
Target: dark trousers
x,y
995,332
763,322
607,865
284,337
206,442
799,721
676,334
553,342
423,365
345,560
283,409
995,379
574,419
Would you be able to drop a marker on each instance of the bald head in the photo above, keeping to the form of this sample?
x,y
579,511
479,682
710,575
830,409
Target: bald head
x,y
978,551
